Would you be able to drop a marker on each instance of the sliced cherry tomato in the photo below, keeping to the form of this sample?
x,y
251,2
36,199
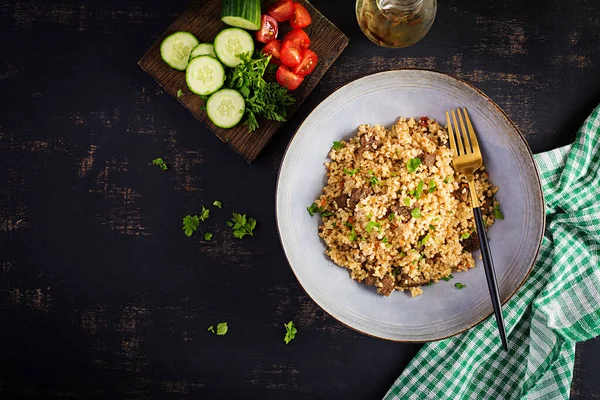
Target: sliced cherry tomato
x,y
308,63
268,29
291,54
301,18
273,49
299,37
282,10
287,78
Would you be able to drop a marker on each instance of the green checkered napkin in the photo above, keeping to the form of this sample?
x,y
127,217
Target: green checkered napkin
x,y
558,306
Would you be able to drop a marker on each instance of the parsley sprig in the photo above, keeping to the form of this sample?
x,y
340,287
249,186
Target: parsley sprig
x,y
160,163
264,99
290,332
222,329
190,224
242,225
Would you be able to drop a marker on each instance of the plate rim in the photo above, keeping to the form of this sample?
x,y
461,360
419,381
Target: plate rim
x,y
508,120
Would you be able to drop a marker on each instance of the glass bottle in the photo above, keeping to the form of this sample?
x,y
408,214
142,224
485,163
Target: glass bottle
x,y
395,23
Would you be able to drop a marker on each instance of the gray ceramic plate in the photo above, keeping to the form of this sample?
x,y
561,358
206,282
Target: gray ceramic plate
x,y
442,310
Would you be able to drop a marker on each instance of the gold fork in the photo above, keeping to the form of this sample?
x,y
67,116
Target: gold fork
x,y
467,159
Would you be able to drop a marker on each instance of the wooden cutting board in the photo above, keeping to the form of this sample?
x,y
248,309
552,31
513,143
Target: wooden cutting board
x,y
203,20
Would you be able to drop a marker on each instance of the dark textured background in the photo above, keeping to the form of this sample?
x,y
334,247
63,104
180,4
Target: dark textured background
x,y
101,294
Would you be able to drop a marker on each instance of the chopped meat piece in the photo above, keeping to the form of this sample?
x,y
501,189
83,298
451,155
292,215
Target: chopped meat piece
x,y
370,279
423,121
358,194
341,200
486,206
462,193
471,243
371,141
427,159
401,211
388,284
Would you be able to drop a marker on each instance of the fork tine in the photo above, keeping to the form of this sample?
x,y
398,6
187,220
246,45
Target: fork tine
x,y
464,133
451,135
472,135
461,150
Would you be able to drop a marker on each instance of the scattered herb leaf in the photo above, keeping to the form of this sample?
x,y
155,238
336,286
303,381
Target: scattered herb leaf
x,y
208,236
290,332
447,278
204,214
222,328
416,213
406,201
425,239
351,172
372,225
217,204
179,93
337,145
431,187
448,179
465,235
497,212
211,329
241,225
392,216
431,227
459,285
190,224
161,163
419,189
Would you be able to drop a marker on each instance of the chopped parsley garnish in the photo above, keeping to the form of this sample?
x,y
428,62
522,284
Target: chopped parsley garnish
x,y
204,214
221,328
351,172
396,271
190,224
406,201
338,145
372,225
393,175
419,189
374,181
447,278
208,236
497,212
326,214
179,93
392,216
161,163
242,225
402,254
465,235
448,179
425,239
217,204
353,236
313,209
459,285
431,227
290,332
413,164
416,213
431,187
385,240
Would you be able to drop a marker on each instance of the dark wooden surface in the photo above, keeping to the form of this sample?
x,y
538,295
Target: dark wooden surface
x,y
101,294
202,19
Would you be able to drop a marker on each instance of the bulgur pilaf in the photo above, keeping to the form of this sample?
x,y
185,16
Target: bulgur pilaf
x,y
394,212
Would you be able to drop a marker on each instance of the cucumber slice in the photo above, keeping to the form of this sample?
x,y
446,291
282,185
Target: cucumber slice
x,y
175,49
225,108
230,42
204,75
243,14
203,49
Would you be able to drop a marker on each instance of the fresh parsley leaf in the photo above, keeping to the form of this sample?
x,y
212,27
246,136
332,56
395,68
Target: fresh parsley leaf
x,y
416,213
497,212
326,214
161,163
217,204
263,99
208,236
393,175
313,209
419,189
353,236
385,240
351,172
374,181
431,227
242,225
465,235
222,328
406,201
392,216
413,164
425,239
338,145
459,285
179,93
204,214
447,278
402,254
290,332
211,329
449,179
431,187
190,224
372,225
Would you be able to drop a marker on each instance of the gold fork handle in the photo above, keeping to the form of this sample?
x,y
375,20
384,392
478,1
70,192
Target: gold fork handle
x,y
474,199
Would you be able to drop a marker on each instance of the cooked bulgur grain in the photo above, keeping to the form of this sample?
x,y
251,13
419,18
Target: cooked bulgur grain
x,y
394,212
